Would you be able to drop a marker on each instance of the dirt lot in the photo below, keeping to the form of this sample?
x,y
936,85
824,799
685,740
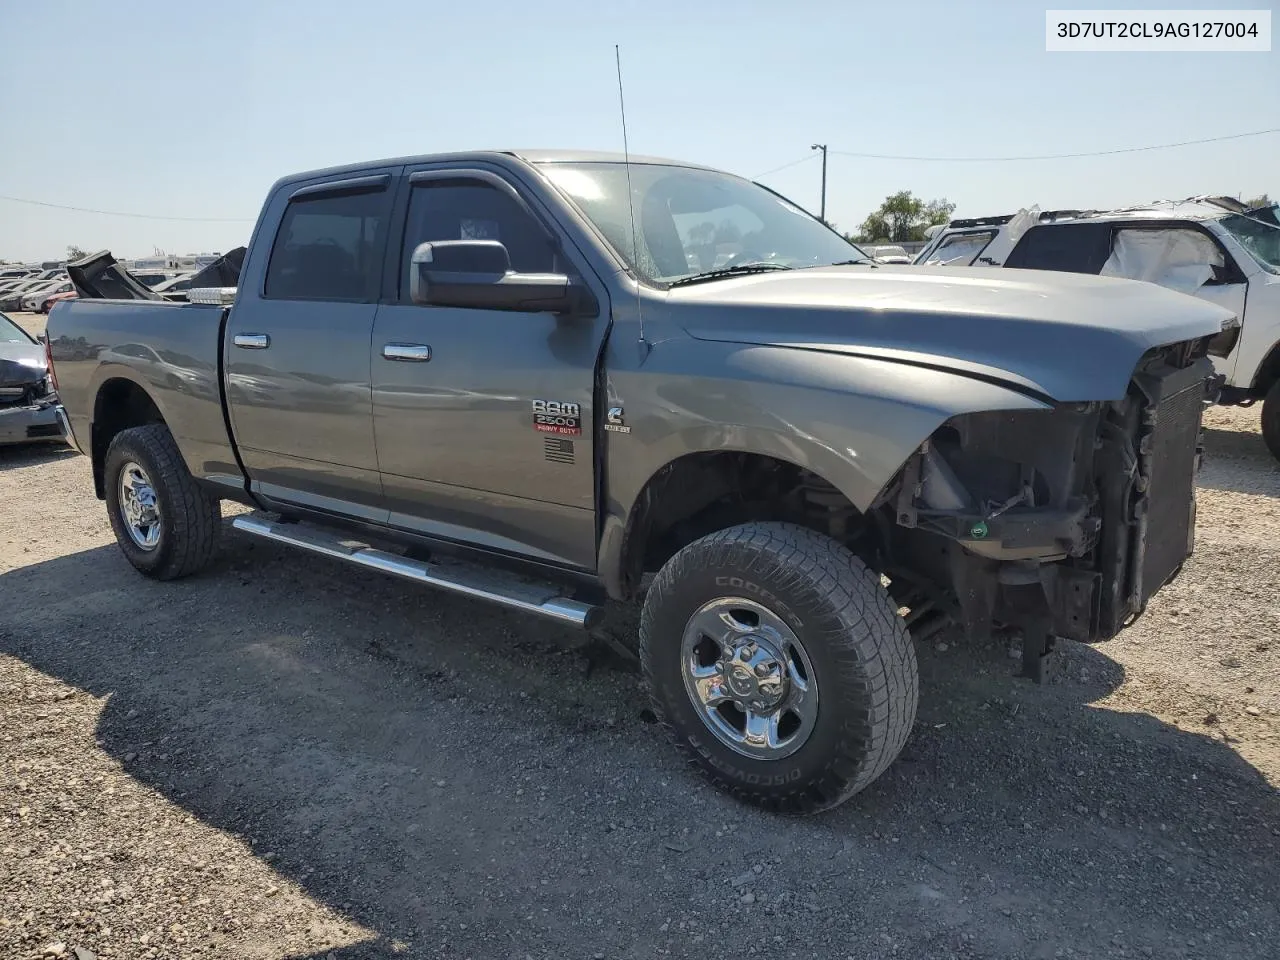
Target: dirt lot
x,y
286,758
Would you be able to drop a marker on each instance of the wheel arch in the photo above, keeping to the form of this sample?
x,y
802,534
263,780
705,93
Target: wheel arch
x,y
120,401
850,422
1268,371
686,497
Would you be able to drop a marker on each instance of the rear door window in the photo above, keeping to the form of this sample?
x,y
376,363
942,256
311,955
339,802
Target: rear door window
x,y
1068,247
329,247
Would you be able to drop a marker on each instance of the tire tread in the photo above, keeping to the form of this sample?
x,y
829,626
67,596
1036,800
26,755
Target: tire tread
x,y
1271,420
191,516
860,625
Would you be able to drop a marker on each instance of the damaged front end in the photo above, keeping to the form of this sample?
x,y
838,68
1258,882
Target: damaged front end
x,y
29,409
1053,523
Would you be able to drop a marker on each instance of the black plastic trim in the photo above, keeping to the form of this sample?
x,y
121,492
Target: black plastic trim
x,y
337,188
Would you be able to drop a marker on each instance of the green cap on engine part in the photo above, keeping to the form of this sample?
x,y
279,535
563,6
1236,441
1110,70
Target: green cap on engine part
x,y
979,530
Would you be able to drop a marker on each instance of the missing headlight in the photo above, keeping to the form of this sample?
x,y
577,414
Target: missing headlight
x,y
1223,343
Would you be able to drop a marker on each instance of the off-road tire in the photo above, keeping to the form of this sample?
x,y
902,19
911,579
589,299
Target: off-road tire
x,y
861,653
1271,419
189,516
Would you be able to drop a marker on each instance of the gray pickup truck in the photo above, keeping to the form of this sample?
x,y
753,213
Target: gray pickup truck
x,y
552,379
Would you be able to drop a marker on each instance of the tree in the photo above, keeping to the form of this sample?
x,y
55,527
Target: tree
x,y
904,216
728,232
75,253
1259,201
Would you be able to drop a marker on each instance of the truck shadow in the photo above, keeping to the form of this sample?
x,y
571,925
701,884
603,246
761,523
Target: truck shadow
x,y
1238,461
420,762
13,456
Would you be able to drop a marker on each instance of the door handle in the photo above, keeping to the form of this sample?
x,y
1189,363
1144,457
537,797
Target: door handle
x,y
414,352
252,341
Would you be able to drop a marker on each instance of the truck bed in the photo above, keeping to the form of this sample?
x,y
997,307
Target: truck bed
x,y
170,350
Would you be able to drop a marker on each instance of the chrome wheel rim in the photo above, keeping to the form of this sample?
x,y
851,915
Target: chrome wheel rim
x,y
749,678
139,507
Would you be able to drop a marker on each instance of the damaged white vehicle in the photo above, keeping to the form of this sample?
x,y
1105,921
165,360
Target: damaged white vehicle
x,y
1214,248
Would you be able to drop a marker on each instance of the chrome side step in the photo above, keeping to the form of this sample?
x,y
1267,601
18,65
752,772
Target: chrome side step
x,y
470,580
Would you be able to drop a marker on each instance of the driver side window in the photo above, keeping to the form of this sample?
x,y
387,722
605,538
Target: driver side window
x,y
465,209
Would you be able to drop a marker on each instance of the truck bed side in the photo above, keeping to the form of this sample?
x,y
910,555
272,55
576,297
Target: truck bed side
x,y
117,356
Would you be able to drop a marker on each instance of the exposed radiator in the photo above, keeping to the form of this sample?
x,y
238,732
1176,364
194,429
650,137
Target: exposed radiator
x,y
1170,449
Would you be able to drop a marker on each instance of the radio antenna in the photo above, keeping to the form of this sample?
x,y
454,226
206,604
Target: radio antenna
x,y
631,207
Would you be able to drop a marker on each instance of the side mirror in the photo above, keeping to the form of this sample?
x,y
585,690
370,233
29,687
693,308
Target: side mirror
x,y
477,273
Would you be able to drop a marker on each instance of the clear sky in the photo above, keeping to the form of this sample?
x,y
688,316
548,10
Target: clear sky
x,y
192,110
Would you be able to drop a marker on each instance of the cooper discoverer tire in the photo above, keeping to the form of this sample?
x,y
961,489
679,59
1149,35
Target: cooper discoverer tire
x,y
1271,419
166,524
739,629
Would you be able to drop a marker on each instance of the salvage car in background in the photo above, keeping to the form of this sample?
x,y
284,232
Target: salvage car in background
x,y
29,407
1213,248
12,298
33,300
985,241
48,303
891,253
969,242
175,288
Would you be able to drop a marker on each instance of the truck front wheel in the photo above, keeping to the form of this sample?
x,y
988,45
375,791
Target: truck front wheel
x,y
1271,419
780,665
166,525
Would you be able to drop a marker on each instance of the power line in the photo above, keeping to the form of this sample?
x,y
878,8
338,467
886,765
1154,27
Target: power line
x,y
786,166
119,213
1055,156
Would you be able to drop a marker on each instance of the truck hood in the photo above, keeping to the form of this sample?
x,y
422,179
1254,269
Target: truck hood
x,y
1068,337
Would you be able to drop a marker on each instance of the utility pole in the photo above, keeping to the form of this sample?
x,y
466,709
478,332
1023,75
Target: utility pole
x,y
823,209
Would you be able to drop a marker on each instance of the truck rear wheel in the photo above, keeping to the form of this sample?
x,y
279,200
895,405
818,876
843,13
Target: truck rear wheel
x,y
1271,419
166,525
780,665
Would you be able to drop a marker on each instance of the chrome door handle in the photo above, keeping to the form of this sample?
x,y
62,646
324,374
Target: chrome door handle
x,y
252,341
416,352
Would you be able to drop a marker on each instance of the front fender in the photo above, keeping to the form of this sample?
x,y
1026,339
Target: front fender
x,y
851,420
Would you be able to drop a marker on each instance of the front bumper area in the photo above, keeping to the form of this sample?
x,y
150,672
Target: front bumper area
x,y
1064,522
44,421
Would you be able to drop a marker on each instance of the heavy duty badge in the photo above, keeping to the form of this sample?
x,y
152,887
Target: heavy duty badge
x,y
555,416
614,423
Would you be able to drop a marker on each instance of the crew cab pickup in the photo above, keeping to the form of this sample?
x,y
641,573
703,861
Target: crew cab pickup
x,y
552,379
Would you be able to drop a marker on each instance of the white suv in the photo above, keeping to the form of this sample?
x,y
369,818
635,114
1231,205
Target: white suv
x,y
1214,248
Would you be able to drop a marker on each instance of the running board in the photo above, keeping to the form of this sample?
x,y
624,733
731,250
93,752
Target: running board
x,y
469,580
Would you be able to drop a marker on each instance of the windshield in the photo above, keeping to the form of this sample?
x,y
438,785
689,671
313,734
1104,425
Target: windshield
x,y
961,248
1259,233
692,221
10,332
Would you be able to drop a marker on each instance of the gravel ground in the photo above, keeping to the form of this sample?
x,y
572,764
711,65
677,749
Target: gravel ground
x,y
283,757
